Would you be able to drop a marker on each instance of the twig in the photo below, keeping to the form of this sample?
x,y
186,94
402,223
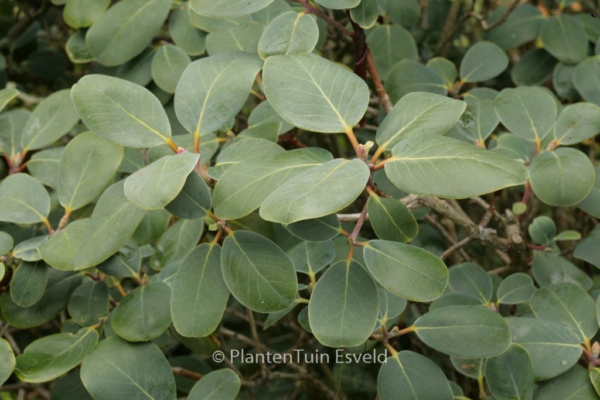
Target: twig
x,y
384,98
325,17
187,373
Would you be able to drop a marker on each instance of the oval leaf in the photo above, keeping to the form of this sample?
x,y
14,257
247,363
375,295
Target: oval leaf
x,y
159,183
464,331
144,314
344,306
406,271
199,294
310,195
431,165
563,177
314,93
121,111
116,367
258,273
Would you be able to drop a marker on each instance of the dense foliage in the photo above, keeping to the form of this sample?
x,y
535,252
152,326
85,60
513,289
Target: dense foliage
x,y
408,188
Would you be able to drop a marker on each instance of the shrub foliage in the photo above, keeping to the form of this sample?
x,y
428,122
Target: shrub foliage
x,y
416,180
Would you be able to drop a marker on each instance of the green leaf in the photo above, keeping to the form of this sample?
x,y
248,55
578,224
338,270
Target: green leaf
x,y
194,200
389,45
391,219
138,369
228,8
534,68
479,120
409,76
199,294
574,384
338,4
471,367
121,111
445,68
272,11
418,114
311,257
321,191
213,90
177,242
455,299
244,38
510,375
577,123
88,242
567,236
54,117
411,376
472,280
550,269
483,61
6,243
553,348
563,177
526,111
314,93
29,283
405,12
569,305
87,166
27,250
59,288
81,14
265,123
6,95
365,14
406,271
223,384
515,289
168,65
563,36
240,150
144,314
159,183
138,70
24,200
522,26
8,364
317,229
258,273
246,185
126,29
184,34
11,126
431,165
583,79
51,356
45,166
125,263
464,331
344,306
209,24
589,249
89,302
289,33
591,204
390,305
542,230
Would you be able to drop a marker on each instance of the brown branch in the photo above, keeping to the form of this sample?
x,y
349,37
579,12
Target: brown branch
x,y
186,373
384,98
325,17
